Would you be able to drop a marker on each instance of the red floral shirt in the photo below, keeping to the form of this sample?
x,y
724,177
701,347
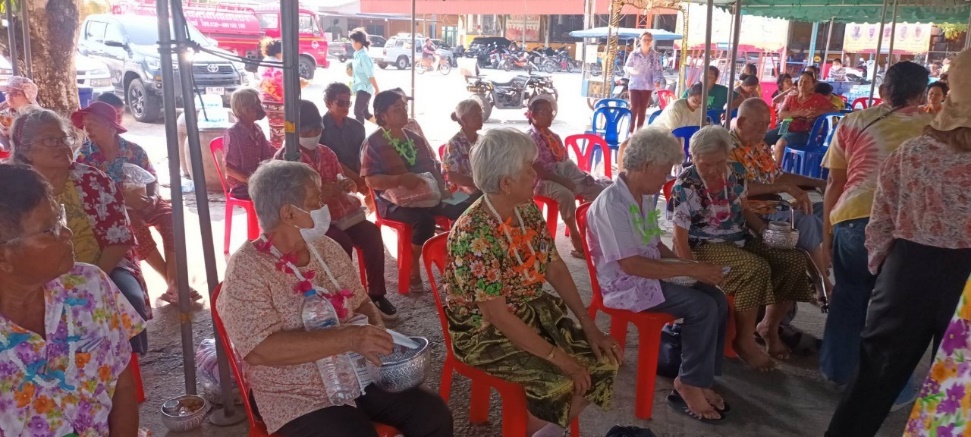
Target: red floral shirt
x,y
325,162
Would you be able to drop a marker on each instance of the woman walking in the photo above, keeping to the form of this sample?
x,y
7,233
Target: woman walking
x,y
363,83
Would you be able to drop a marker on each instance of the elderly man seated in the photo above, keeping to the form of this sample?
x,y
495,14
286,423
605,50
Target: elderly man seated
x,y
634,266
765,177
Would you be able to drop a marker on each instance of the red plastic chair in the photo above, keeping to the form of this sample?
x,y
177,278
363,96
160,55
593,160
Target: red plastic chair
x,y
252,224
441,152
4,154
585,152
404,248
136,373
360,266
649,326
256,426
864,103
664,97
552,212
514,414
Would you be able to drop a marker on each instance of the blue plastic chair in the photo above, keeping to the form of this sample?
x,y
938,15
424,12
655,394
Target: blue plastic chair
x,y
715,115
684,134
611,103
650,120
608,123
806,159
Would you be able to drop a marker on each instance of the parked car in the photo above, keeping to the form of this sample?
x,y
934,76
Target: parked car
x,y
398,52
129,46
91,73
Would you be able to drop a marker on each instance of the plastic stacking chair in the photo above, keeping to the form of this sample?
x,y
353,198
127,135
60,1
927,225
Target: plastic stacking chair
x,y
136,373
552,212
664,97
864,103
653,116
715,116
648,325
607,123
252,224
404,248
611,103
806,159
514,414
584,146
441,152
684,134
256,426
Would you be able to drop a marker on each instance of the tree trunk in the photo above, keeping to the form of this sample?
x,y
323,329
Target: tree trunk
x,y
53,41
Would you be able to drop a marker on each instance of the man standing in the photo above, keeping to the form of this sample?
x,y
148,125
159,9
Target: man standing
x,y
646,75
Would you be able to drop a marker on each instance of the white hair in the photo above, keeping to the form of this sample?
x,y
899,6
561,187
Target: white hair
x,y
654,146
277,183
711,139
464,107
500,153
243,98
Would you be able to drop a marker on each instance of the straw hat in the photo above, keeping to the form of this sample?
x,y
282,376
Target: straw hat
x,y
956,111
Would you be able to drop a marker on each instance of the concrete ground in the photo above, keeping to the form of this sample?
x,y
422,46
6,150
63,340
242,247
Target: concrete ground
x,y
792,401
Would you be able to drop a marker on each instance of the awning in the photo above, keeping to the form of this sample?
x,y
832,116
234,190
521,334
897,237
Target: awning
x,y
501,7
854,11
625,33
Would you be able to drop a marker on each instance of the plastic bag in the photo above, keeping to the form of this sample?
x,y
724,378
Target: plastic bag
x,y
207,371
135,177
425,195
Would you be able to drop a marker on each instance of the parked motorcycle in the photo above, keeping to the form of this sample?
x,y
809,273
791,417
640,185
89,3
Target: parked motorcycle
x,y
514,94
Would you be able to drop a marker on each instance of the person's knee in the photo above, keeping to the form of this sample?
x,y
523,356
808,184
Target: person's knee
x,y
422,229
433,417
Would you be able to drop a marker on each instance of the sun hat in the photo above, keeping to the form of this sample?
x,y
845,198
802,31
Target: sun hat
x,y
100,109
21,83
956,110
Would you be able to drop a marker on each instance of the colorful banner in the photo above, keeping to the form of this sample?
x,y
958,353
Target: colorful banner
x,y
909,38
514,28
768,34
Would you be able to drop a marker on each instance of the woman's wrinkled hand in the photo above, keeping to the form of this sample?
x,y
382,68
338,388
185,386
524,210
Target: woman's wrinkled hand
x,y
410,180
802,202
602,344
369,341
348,185
576,371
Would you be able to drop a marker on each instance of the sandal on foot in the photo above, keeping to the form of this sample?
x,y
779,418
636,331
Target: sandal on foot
x,y
170,297
577,254
682,407
676,397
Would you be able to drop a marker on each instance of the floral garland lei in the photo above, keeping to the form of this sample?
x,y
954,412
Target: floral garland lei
x,y
286,263
405,148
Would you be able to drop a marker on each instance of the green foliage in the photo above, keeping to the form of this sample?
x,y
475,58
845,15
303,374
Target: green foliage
x,y
952,31
14,7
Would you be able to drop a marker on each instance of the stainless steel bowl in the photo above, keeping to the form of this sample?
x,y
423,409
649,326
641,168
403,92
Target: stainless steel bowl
x,y
177,418
684,281
404,369
780,238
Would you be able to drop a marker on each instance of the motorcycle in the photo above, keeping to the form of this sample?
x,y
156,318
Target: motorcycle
x,y
515,94
560,61
512,60
443,66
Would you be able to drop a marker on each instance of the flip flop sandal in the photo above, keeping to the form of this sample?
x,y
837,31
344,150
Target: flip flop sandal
x,y
577,254
682,407
194,294
171,298
676,397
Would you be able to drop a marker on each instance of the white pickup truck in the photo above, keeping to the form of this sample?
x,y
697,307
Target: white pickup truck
x,y
397,51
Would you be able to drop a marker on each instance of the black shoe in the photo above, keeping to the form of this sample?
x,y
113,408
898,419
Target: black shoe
x,y
388,311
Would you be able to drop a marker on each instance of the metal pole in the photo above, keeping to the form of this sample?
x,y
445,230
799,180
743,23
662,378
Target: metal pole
x,y
704,67
812,44
11,38
289,17
967,33
893,33
414,56
25,27
737,29
883,19
829,37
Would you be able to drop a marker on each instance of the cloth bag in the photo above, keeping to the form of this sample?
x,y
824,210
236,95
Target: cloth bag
x,y
425,195
669,355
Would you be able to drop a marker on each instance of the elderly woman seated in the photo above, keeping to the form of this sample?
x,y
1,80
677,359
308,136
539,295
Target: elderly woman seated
x,y
109,152
559,177
393,160
455,162
262,314
713,225
803,107
244,143
625,243
19,92
64,326
349,227
500,254
94,207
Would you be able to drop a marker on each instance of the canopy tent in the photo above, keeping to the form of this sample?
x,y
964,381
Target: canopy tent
x,y
853,11
625,33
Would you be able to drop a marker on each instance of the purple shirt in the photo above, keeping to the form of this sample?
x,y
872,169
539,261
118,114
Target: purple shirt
x,y
614,234
646,70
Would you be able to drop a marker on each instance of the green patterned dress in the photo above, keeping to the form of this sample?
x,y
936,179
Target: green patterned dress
x,y
482,265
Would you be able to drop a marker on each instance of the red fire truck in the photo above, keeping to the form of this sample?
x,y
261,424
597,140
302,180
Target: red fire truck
x,y
239,29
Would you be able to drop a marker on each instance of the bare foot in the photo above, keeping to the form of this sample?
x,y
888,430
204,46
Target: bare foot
x,y
751,354
773,343
695,398
415,283
714,399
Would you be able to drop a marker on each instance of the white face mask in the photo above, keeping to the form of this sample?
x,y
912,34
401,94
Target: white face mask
x,y
309,143
321,218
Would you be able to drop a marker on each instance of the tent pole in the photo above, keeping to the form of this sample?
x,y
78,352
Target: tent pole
x,y
289,17
893,32
883,19
737,28
967,33
25,26
813,37
414,56
704,67
11,39
829,38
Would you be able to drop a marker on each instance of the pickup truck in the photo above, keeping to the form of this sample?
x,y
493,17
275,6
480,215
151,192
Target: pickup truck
x,y
128,45
397,51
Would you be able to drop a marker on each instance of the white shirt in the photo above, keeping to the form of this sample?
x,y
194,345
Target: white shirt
x,y
676,115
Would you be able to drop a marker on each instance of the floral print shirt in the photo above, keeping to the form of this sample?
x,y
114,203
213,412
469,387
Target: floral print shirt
x,y
645,70
483,264
921,196
63,384
245,147
128,153
271,82
759,166
944,406
710,217
550,148
456,158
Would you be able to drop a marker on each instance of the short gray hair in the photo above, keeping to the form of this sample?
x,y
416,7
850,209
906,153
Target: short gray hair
x,y
25,126
464,107
275,184
243,98
500,153
652,145
711,139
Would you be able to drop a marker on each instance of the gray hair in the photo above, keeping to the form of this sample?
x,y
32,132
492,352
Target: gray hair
x,y
711,139
243,98
275,184
464,107
654,146
25,127
500,153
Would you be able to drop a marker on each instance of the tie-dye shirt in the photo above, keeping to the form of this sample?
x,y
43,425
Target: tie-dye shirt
x,y
64,383
861,152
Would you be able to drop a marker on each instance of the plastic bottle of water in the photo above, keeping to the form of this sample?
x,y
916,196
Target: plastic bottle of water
x,y
188,186
319,314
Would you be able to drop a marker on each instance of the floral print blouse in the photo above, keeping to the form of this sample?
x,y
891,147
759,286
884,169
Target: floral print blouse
x,y
921,196
271,83
944,406
759,166
483,264
710,217
128,153
63,384
456,158
550,148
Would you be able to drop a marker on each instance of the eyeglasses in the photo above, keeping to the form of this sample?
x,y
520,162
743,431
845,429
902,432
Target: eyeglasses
x,y
55,142
343,103
53,231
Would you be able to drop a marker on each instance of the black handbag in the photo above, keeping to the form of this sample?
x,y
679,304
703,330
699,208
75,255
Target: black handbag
x,y
669,355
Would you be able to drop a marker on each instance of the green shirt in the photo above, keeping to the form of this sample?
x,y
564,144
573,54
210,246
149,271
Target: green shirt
x,y
717,97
